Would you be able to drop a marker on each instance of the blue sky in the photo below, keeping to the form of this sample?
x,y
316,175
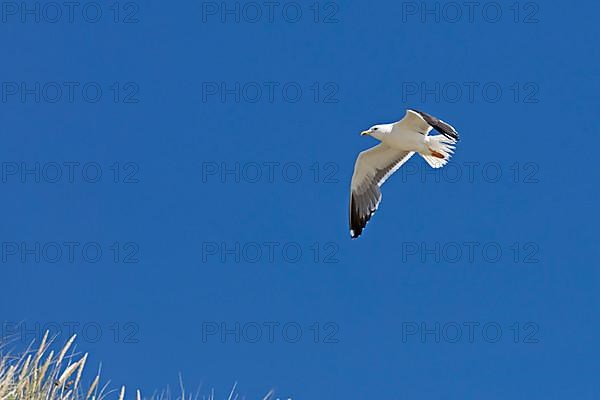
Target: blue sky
x,y
175,185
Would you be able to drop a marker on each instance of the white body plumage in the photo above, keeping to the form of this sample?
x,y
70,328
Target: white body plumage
x,y
400,137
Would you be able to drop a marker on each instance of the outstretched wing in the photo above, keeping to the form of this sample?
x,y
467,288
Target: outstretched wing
x,y
373,167
439,125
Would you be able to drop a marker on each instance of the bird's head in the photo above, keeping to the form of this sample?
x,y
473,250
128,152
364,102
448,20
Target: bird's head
x,y
377,131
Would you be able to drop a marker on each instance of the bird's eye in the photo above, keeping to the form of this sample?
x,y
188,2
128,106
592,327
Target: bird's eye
x,y
375,129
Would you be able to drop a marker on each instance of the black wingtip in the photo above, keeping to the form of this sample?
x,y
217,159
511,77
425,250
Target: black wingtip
x,y
450,135
356,222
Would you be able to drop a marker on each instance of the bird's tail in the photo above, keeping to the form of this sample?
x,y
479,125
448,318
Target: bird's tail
x,y
441,149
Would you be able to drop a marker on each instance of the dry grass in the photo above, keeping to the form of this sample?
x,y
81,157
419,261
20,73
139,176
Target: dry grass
x,y
41,374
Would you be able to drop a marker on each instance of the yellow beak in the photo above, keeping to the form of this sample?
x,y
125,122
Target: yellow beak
x,y
363,133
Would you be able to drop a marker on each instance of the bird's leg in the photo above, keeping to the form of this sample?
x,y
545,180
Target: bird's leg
x,y
436,154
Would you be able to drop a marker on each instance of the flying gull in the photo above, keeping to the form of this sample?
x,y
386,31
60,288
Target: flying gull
x,y
399,141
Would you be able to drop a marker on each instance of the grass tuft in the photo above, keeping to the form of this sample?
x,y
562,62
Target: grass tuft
x,y
40,375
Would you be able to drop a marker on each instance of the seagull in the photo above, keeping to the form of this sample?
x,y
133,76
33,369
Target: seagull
x,y
399,141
